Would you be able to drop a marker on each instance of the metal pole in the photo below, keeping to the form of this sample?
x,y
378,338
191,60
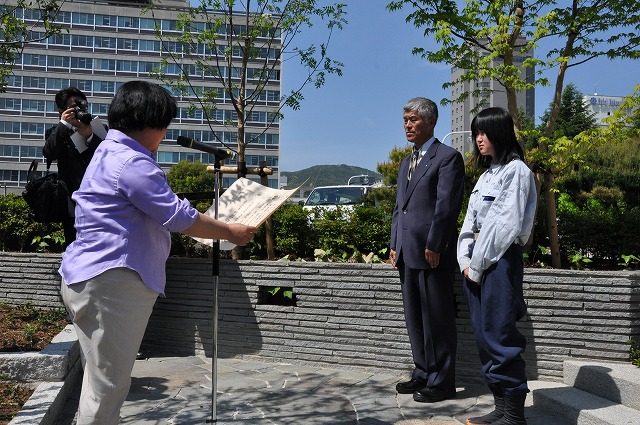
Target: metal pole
x,y
453,133
216,274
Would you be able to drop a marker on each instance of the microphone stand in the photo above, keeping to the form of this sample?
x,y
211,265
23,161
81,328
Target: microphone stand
x,y
216,276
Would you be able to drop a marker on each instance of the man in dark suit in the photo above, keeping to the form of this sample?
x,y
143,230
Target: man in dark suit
x,y
423,249
58,146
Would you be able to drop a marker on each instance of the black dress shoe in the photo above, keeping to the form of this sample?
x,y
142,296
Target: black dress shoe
x,y
410,387
433,395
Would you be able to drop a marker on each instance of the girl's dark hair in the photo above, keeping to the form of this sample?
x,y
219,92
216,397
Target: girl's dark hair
x,y
140,104
497,124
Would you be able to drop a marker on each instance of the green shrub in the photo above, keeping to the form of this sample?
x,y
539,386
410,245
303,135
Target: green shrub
x,y
18,231
634,352
293,233
599,229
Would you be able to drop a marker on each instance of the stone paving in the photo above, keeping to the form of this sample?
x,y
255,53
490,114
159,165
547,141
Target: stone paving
x,y
177,390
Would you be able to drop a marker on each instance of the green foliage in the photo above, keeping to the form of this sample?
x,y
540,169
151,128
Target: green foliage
x,y
46,243
390,168
630,262
262,31
293,232
574,116
598,228
185,246
482,39
190,177
18,231
361,235
332,230
16,33
634,352
579,261
485,40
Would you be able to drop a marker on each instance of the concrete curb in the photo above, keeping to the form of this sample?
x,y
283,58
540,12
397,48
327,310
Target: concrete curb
x,y
57,366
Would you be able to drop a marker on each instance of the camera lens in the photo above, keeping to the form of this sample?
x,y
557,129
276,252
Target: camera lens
x,y
81,111
83,116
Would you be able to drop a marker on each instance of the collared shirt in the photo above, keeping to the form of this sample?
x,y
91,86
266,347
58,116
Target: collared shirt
x,y
501,211
425,148
124,212
74,129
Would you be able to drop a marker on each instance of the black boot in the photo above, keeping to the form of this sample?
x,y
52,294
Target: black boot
x,y
513,410
498,411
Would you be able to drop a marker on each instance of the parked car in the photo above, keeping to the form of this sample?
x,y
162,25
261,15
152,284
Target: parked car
x,y
330,197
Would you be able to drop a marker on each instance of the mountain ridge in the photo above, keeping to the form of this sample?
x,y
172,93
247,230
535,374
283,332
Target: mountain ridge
x,y
327,175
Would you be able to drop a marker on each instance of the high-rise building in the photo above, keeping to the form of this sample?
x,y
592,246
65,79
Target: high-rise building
x,y
493,93
105,43
602,106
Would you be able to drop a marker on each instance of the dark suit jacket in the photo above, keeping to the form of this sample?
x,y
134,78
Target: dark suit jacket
x,y
71,163
427,208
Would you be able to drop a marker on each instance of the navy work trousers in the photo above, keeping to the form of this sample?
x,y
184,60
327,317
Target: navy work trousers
x,y
495,306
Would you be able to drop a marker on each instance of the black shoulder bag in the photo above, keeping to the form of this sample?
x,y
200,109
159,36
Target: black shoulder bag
x,y
47,196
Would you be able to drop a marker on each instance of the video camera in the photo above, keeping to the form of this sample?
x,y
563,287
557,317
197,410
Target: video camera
x,y
81,112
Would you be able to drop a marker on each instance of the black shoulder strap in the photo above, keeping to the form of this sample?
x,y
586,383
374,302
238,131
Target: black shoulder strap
x,y
32,170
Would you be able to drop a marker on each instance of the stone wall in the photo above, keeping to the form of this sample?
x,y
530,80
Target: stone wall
x,y
350,315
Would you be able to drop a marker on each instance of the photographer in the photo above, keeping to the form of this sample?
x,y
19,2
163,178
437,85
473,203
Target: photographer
x,y
74,117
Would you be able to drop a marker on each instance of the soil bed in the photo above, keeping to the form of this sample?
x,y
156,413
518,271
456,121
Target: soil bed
x,y
24,328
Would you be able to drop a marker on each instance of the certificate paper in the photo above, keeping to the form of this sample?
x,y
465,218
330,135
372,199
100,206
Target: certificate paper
x,y
246,202
98,130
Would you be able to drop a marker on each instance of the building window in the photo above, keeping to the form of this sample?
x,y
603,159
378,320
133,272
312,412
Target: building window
x,y
82,85
29,105
57,83
83,18
9,127
106,42
82,41
81,63
59,62
106,20
10,104
34,60
128,22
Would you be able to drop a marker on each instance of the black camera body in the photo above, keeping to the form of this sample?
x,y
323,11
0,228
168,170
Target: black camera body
x,y
81,112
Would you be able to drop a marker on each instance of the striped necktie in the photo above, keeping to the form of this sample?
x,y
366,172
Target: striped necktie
x,y
413,161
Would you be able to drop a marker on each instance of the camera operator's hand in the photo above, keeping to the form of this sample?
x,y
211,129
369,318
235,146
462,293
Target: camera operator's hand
x,y
69,115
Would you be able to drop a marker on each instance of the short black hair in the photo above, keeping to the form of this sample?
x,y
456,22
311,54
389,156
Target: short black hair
x,y
63,96
497,124
140,104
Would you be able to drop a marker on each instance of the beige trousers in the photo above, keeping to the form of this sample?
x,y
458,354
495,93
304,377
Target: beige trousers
x,y
110,314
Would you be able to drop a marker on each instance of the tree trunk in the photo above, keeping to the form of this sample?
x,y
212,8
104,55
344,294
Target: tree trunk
x,y
549,196
271,251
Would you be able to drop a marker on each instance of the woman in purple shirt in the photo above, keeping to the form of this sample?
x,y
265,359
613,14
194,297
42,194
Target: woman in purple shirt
x,y
115,269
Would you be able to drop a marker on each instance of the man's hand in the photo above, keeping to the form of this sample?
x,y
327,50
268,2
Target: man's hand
x,y
392,258
69,115
433,258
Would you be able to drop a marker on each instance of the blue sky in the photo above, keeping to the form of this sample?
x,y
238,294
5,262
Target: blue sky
x,y
356,119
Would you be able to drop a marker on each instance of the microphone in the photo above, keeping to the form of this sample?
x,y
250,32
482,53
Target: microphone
x,y
220,154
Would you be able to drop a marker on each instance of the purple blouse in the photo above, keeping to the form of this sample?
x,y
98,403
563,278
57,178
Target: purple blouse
x,y
125,211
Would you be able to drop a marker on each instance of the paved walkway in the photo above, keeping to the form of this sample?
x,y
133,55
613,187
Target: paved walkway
x,y
177,390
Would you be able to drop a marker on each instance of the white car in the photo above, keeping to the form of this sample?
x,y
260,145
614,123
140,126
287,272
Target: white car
x,y
330,197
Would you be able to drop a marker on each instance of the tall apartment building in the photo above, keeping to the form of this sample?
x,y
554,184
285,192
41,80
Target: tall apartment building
x,y
108,43
493,93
